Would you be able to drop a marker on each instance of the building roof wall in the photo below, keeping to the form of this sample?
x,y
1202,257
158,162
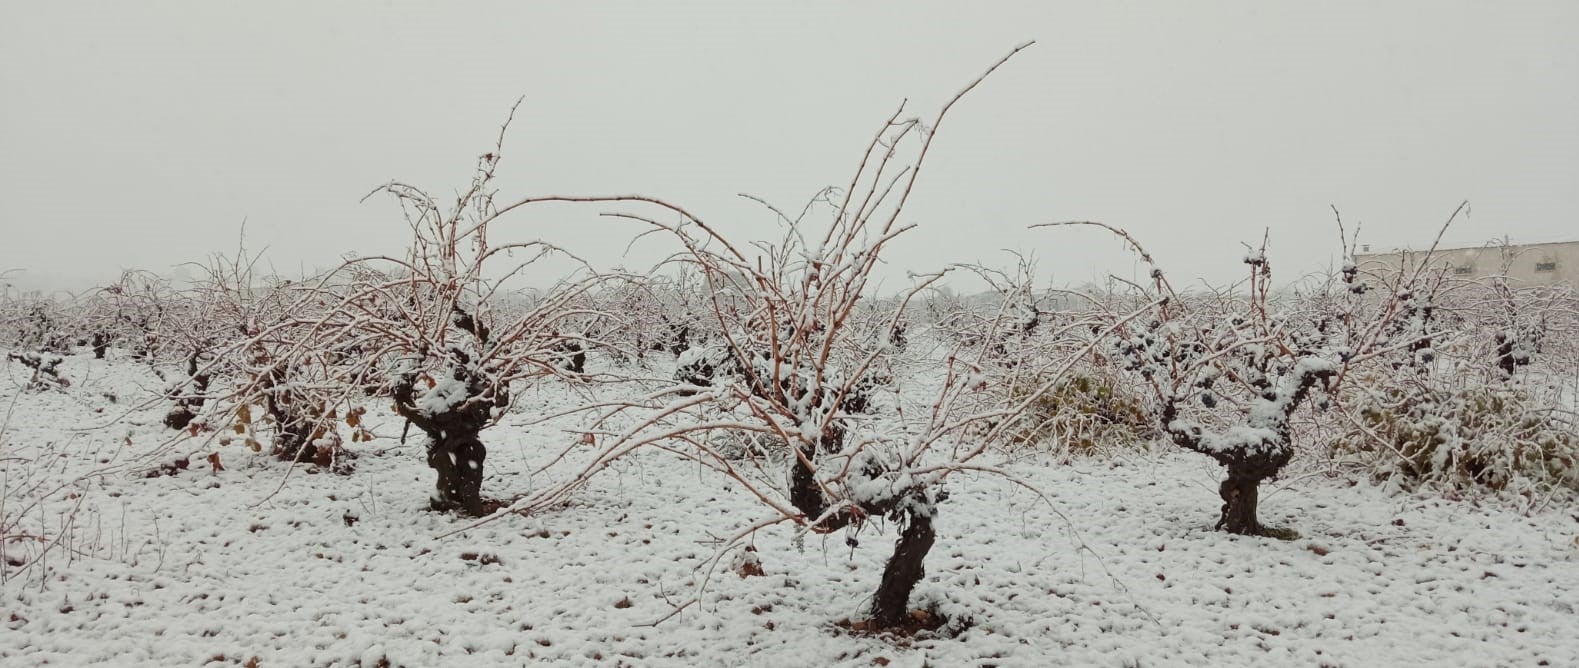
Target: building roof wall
x,y
1531,264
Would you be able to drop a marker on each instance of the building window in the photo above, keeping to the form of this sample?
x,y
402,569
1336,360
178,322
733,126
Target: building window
x,y
1546,266
1463,270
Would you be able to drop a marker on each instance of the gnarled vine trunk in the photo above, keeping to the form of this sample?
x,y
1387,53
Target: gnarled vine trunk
x,y
101,344
458,460
1241,492
1248,464
805,494
454,451
906,567
186,407
904,570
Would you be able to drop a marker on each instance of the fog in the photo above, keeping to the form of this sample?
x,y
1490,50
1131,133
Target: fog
x,y
142,135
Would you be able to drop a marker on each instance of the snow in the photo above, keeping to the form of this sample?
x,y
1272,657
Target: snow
x,y
695,354
1268,414
215,567
1237,439
445,395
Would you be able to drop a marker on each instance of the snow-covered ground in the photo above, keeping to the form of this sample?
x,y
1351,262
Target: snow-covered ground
x,y
1118,567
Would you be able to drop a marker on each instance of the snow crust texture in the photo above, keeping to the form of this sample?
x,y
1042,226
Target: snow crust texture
x,y
208,568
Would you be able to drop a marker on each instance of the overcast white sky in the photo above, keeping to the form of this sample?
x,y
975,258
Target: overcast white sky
x,y
141,134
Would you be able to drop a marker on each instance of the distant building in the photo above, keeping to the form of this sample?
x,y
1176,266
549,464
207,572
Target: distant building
x,y
1523,264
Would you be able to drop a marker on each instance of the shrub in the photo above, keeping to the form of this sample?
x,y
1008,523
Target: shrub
x,y
1491,437
1081,415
